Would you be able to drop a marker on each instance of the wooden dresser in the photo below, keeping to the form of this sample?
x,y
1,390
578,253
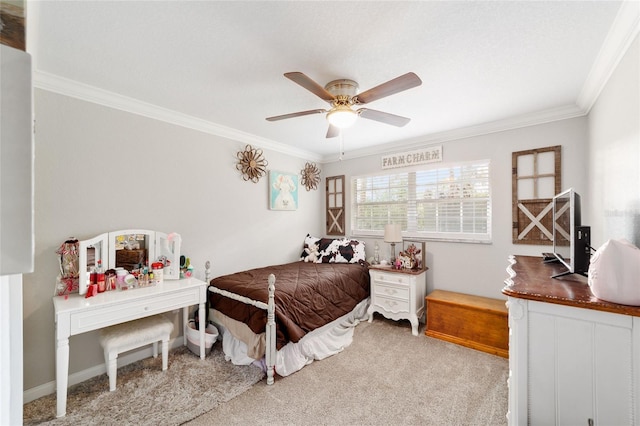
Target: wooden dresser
x,y
573,359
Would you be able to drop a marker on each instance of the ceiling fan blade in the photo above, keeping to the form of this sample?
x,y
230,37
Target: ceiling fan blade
x,y
383,117
333,131
310,85
296,114
398,84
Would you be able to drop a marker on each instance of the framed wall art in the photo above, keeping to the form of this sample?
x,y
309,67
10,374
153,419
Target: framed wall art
x,y
535,179
335,205
283,190
12,24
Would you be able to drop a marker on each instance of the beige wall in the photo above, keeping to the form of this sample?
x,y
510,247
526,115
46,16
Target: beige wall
x,y
614,155
98,169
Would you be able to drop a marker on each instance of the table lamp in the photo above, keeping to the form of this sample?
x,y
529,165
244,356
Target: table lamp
x,y
393,235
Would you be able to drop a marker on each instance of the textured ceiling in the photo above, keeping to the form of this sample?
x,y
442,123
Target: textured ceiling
x,y
223,62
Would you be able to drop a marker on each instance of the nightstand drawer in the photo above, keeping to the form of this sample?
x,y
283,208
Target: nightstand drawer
x,y
396,291
392,305
389,278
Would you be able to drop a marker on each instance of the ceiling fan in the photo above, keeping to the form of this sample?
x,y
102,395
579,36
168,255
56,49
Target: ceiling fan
x,y
343,94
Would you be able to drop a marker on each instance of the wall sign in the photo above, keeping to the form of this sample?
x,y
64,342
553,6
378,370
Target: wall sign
x,y
432,154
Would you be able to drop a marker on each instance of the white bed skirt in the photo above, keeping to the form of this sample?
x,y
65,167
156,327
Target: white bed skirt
x,y
316,345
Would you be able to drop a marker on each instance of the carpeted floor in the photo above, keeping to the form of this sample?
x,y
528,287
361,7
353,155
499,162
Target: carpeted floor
x,y
146,395
387,376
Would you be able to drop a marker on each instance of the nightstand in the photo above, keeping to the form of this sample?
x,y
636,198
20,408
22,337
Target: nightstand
x,y
398,294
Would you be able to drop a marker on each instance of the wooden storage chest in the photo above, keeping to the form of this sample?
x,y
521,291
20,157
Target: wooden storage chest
x,y
473,321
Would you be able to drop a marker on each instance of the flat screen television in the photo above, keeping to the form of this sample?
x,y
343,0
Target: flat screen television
x,y
571,240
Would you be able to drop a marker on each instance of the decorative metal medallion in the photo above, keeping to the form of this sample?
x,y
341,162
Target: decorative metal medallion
x,y
310,176
251,163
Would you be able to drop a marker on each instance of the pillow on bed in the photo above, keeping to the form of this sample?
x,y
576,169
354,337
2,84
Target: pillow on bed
x,y
341,250
335,250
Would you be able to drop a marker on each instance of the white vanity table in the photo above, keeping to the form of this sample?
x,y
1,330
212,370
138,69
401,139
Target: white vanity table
x,y
76,314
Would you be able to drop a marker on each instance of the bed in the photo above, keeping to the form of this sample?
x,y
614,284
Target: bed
x,y
286,316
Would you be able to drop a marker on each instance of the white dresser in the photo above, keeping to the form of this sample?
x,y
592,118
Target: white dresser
x,y
573,359
398,294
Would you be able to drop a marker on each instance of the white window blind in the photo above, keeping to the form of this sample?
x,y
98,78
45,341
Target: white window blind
x,y
451,202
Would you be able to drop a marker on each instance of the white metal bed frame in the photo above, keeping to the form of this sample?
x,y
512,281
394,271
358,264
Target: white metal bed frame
x,y
270,307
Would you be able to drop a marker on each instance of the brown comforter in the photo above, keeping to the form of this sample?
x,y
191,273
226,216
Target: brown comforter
x,y
308,296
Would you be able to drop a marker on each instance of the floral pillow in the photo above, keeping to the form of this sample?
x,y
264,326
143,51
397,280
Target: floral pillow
x,y
332,250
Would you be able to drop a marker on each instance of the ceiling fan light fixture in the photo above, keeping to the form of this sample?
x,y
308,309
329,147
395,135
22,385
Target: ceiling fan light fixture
x,y
341,116
342,94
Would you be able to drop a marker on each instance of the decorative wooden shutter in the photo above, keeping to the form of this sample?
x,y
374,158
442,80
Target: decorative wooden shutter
x,y
335,205
536,179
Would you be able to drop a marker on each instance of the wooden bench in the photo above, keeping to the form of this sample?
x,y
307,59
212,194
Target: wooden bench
x,y
476,322
131,335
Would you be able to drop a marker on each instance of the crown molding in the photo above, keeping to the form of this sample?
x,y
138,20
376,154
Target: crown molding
x,y
511,123
85,92
624,30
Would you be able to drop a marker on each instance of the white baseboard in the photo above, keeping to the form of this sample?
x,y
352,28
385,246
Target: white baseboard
x,y
79,377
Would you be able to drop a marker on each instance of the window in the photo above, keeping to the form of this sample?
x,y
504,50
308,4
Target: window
x,y
450,202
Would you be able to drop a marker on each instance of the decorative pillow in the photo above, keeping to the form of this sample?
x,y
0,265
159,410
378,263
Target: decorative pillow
x,y
332,250
341,250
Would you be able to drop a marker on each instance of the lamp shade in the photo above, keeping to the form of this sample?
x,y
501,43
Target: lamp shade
x,y
392,233
342,116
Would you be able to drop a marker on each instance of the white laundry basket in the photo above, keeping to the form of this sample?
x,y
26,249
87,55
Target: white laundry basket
x,y
193,338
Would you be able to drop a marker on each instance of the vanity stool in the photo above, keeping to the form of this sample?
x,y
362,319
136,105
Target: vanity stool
x,y
134,334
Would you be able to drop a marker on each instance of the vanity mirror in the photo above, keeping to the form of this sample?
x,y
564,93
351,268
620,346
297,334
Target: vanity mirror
x,y
89,252
130,249
168,246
